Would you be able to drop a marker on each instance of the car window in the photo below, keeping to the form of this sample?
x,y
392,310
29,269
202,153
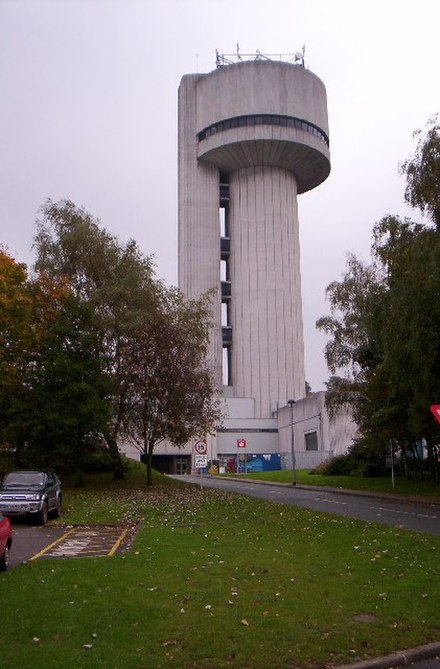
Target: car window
x,y
23,478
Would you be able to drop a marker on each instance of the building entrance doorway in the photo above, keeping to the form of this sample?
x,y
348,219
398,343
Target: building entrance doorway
x,y
181,466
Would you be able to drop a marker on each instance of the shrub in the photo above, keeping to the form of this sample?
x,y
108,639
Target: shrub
x,y
339,465
361,460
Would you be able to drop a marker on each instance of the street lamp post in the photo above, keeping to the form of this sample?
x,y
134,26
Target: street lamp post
x,y
292,436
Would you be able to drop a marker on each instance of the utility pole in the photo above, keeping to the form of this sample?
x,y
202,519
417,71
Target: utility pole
x,y
292,436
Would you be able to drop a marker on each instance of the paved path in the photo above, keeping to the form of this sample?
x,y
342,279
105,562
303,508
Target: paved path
x,y
390,510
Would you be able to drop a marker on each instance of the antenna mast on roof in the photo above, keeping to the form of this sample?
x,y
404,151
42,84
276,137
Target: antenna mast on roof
x,y
223,59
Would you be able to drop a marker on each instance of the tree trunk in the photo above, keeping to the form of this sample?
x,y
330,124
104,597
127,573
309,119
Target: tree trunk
x,y
118,469
148,450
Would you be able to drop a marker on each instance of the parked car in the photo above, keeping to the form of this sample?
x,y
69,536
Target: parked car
x,y
33,494
5,542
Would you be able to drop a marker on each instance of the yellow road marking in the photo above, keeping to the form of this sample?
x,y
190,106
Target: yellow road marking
x,y
117,543
54,543
95,545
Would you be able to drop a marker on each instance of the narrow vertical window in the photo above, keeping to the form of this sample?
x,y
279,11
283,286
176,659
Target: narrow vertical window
x,y
222,218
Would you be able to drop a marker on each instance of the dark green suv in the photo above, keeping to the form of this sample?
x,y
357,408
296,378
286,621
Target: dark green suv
x,y
34,494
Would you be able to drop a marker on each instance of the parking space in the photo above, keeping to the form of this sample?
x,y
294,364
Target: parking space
x,y
84,542
54,541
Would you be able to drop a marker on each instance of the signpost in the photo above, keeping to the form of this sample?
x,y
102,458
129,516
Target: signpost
x,y
389,461
241,443
200,461
200,446
200,457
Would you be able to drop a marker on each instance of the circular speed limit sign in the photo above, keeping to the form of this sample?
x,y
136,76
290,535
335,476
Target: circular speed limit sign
x,y
200,446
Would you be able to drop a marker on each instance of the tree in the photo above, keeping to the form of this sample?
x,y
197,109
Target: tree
x,y
52,396
171,394
116,282
385,319
358,307
62,404
151,344
411,254
422,173
15,321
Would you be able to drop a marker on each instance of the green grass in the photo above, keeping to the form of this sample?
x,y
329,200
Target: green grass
x,y
205,563
425,487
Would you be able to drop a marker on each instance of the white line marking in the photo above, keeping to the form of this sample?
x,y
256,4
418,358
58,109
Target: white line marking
x,y
330,501
405,513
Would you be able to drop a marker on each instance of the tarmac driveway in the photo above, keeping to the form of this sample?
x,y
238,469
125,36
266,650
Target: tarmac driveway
x,y
31,542
28,540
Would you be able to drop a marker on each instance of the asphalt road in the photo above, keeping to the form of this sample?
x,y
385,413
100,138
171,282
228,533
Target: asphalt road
x,y
433,663
28,540
408,514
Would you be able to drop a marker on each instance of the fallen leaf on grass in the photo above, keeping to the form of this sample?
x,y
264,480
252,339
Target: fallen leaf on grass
x,y
171,642
244,622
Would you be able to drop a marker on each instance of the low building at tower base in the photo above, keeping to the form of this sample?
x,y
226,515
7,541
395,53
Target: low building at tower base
x,y
244,443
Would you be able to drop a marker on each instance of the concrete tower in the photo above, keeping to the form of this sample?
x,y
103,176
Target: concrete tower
x,y
252,136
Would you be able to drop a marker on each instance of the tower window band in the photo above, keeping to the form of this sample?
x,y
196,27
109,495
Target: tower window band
x,y
263,119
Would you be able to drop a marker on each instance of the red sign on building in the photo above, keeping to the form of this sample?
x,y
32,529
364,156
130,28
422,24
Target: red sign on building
x,y
241,443
435,410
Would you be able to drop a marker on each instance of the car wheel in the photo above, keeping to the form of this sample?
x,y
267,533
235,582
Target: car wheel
x,y
4,560
42,515
57,510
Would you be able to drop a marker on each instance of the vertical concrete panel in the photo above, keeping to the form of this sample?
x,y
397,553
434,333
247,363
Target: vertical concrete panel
x,y
268,357
199,226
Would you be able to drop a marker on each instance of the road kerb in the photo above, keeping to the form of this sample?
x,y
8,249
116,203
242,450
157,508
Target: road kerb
x,y
398,658
418,499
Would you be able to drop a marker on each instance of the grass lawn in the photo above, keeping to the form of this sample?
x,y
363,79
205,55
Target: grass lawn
x,y
218,580
379,484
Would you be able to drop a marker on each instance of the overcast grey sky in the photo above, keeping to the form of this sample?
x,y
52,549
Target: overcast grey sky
x,y
88,112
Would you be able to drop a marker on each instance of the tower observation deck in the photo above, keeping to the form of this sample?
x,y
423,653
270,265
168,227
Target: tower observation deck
x,y
252,136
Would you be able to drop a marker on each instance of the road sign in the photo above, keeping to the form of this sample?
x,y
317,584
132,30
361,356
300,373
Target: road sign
x,y
200,461
241,443
200,446
435,410
389,461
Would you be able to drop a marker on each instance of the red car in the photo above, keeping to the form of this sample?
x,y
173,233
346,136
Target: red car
x,y
5,542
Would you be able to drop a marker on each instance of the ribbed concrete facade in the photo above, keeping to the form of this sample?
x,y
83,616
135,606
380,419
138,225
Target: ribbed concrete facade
x,y
266,318
252,136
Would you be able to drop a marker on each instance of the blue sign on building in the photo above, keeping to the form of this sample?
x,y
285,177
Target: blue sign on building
x,y
263,463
